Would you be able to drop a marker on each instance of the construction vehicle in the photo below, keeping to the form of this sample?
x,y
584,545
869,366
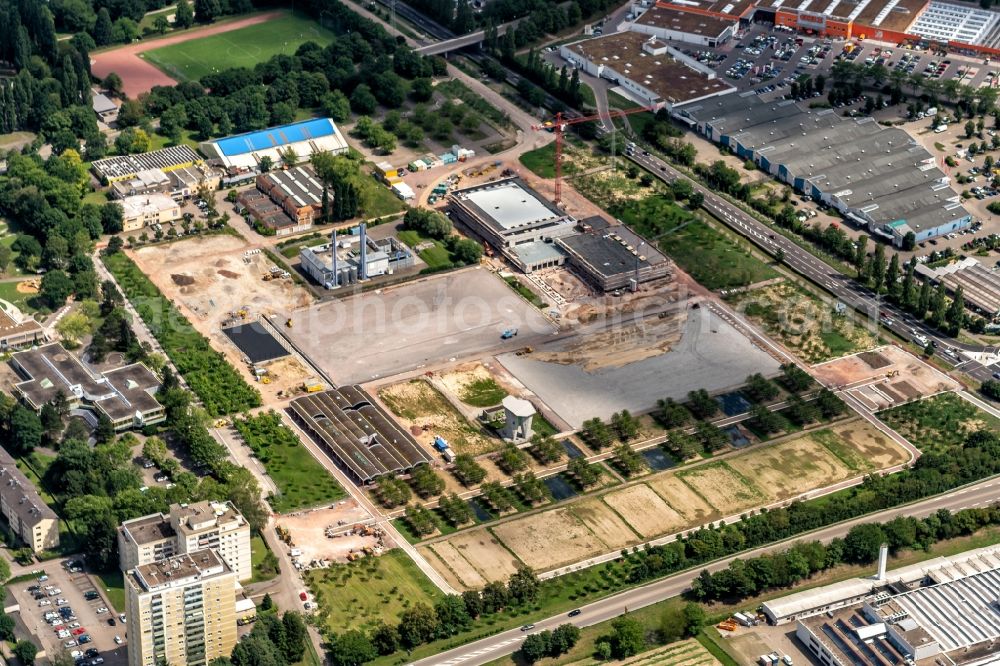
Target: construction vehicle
x,y
288,323
560,125
312,388
728,625
508,334
523,351
265,380
222,423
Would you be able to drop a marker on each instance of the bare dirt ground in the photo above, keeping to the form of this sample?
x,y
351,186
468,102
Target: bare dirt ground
x,y
427,414
723,488
791,468
683,499
455,564
308,528
140,76
605,523
548,539
873,449
212,277
885,377
644,510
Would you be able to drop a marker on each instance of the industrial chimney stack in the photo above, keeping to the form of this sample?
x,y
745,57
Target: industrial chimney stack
x,y
333,258
883,558
363,268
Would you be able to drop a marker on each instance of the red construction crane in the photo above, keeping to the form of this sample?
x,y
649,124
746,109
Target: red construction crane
x,y
560,123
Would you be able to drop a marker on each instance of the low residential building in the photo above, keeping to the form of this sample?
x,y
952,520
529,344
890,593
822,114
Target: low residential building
x,y
105,108
147,211
125,395
29,517
181,610
19,331
187,528
646,69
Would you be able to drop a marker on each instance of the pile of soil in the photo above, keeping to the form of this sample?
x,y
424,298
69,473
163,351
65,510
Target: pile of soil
x,y
182,280
229,274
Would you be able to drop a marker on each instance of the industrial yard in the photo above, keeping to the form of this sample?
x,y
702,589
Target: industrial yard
x,y
663,503
433,320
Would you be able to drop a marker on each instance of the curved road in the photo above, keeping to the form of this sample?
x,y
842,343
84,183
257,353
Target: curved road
x,y
488,649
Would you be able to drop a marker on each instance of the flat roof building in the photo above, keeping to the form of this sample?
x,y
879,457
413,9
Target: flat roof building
x,y
181,610
351,259
980,285
613,257
360,437
304,138
666,22
148,210
127,167
647,69
877,177
29,517
18,331
179,184
512,217
125,395
187,528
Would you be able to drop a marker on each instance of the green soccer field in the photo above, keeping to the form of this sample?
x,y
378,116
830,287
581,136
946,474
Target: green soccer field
x,y
240,48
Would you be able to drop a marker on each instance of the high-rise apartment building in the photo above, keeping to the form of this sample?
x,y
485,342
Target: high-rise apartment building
x,y
189,527
181,610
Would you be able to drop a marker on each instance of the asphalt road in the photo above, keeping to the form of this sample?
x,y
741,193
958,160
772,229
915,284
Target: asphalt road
x,y
821,273
488,649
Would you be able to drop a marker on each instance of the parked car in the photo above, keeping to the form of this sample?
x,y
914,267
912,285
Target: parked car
x,y
102,610
84,638
121,616
118,640
78,631
111,622
70,644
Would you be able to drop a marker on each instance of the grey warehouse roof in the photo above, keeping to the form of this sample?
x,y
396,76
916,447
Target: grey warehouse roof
x,y
359,434
510,206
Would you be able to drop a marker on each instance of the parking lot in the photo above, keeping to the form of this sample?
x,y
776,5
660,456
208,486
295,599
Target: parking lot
x,y
63,607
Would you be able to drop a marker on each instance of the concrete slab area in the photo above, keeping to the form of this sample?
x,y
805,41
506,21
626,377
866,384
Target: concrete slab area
x,y
711,354
437,319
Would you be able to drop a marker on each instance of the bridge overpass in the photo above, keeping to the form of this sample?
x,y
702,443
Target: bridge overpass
x,y
456,43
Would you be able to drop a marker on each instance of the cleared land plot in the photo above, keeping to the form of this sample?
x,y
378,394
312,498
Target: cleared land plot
x,y
680,496
710,354
604,523
360,594
474,385
418,404
644,510
683,653
244,47
549,539
485,554
308,531
723,487
374,335
939,423
801,322
911,376
455,562
861,447
791,468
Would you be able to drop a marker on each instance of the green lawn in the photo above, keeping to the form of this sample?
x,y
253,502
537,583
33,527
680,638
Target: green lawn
x,y
34,466
113,588
541,161
436,258
940,423
526,293
245,47
24,302
302,482
265,565
359,594
483,393
704,252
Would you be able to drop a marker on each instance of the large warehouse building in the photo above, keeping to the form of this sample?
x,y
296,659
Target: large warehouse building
x,y
128,167
645,68
877,177
361,438
943,611
245,151
962,25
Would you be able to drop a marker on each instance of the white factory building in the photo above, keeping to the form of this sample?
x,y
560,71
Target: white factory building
x,y
348,260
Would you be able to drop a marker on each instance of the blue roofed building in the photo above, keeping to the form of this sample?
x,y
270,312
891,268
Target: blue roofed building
x,y
305,138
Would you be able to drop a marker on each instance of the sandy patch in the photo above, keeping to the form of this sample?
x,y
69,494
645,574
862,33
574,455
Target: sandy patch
x,y
466,574
427,414
604,523
308,531
485,553
791,468
723,488
549,539
683,499
645,511
441,567
27,287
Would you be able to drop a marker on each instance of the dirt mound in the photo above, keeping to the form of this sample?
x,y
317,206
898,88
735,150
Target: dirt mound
x,y
27,287
874,360
182,280
229,274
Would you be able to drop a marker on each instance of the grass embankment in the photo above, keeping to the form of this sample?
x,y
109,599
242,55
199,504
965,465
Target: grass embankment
x,y
217,384
707,254
301,480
